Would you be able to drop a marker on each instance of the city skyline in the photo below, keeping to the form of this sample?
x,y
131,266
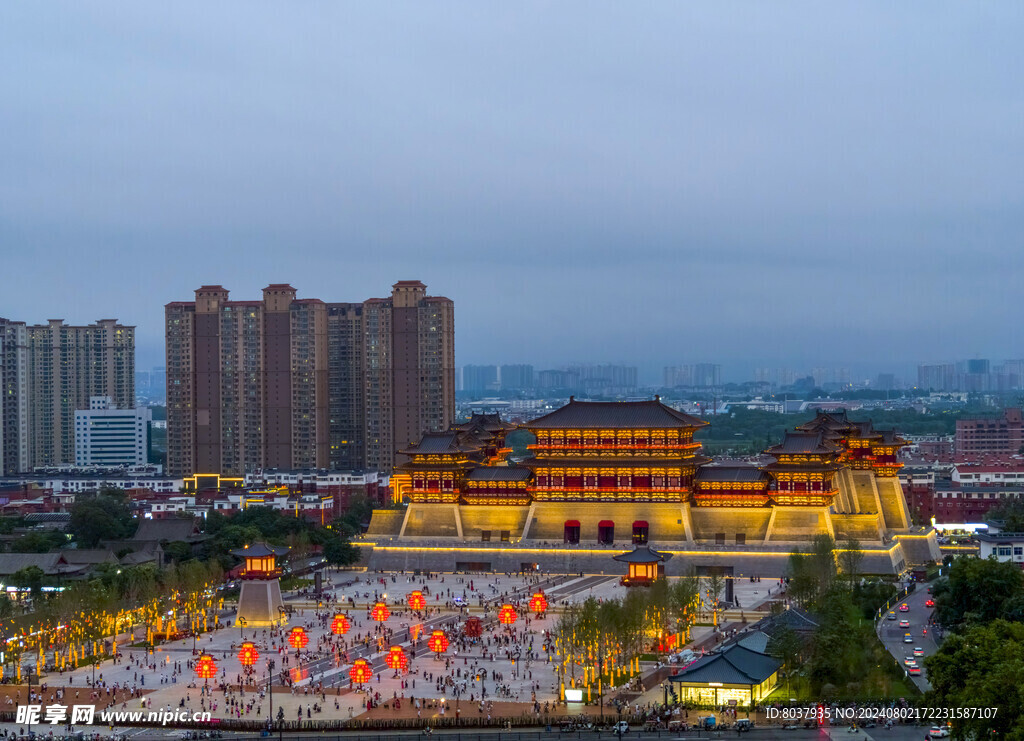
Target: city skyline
x,y
735,185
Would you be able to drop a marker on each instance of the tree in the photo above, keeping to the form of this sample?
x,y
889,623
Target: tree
x,y
812,572
978,590
850,559
339,552
714,584
39,541
31,578
1009,516
982,667
787,646
105,517
178,551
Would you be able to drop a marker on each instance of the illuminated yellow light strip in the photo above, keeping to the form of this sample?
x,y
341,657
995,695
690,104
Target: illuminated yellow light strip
x,y
596,551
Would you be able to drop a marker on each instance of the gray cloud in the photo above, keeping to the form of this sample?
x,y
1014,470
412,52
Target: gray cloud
x,y
799,183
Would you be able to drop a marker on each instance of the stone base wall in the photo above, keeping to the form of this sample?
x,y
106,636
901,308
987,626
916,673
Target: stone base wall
x,y
744,561
260,603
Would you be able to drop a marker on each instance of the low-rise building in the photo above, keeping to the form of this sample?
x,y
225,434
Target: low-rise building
x,y
1004,546
108,436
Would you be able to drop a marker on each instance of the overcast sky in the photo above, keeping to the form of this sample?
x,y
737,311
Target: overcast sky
x,y
762,183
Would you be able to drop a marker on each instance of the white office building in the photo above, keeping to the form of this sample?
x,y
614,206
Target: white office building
x,y
108,436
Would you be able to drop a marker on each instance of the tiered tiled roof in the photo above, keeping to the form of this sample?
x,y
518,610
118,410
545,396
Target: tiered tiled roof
x,y
647,415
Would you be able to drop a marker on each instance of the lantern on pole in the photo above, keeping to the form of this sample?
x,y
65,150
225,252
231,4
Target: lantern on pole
x,y
396,658
361,672
507,615
248,654
339,626
416,600
206,667
380,612
539,603
438,642
297,637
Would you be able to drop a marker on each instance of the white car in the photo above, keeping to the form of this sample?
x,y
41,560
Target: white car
x,y
938,732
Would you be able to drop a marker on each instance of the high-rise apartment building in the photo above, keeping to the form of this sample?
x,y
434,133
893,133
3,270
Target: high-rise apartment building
x,y
515,377
50,371
480,378
300,383
409,359
701,374
14,438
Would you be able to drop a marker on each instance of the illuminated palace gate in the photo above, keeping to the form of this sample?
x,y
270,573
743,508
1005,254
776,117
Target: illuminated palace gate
x,y
596,466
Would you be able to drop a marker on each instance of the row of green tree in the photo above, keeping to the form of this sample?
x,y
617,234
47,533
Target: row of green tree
x,y
980,663
843,658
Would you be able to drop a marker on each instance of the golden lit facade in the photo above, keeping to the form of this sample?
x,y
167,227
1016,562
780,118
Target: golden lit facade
x,y
731,486
885,454
863,447
614,452
440,466
502,485
804,471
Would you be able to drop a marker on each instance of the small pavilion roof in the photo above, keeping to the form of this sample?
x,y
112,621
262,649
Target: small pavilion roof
x,y
614,415
803,442
731,474
499,473
486,422
438,443
891,437
643,554
261,550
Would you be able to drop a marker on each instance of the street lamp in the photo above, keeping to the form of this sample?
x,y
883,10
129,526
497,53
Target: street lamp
x,y
28,700
270,689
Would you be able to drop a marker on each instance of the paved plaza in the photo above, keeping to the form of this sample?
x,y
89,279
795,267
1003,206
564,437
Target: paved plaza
x,y
503,672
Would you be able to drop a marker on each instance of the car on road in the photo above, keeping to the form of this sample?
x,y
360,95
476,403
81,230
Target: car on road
x,y
909,661
891,616
743,724
938,732
930,603
907,638
904,623
915,671
918,651
904,607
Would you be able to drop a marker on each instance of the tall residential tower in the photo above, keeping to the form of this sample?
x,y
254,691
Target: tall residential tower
x,y
48,372
299,383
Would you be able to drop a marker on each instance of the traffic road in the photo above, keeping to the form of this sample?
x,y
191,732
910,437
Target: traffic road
x,y
892,635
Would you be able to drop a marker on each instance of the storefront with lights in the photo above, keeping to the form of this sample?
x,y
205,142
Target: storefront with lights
x,y
734,675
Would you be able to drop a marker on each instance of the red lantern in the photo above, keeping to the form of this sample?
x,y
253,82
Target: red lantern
x,y
248,654
339,626
416,600
206,667
396,658
507,615
361,672
297,638
539,603
474,628
438,642
380,612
